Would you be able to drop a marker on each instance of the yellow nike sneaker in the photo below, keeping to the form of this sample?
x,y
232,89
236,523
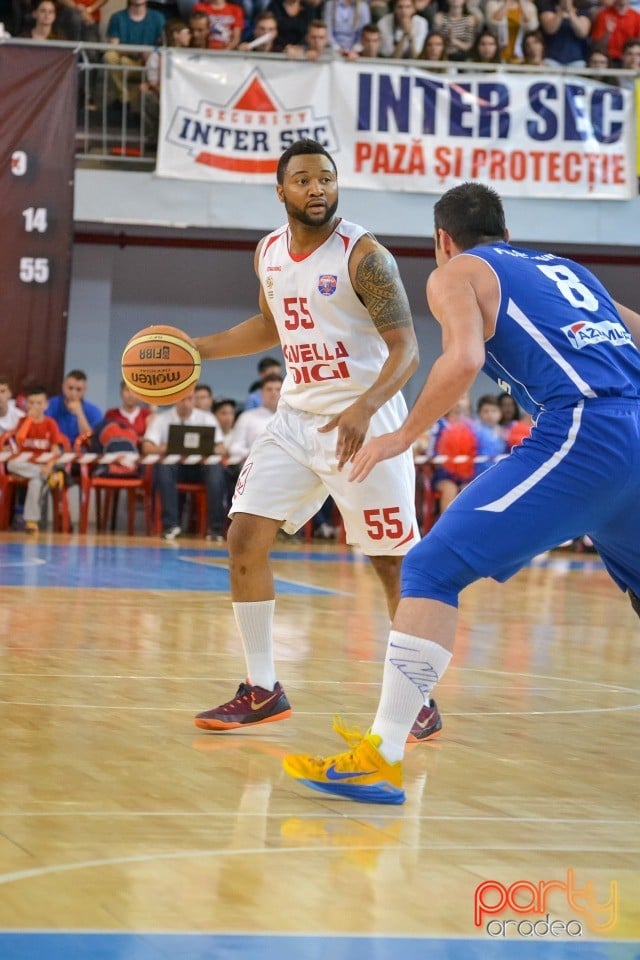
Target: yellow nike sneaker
x,y
361,774
250,706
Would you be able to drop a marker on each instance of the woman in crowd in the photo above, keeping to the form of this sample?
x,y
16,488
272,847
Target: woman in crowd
x,y
403,32
459,28
510,20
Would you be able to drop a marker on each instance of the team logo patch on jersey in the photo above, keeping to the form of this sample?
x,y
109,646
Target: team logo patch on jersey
x,y
585,333
269,285
327,284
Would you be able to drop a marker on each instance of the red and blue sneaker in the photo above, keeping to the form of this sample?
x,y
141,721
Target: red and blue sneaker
x,y
250,706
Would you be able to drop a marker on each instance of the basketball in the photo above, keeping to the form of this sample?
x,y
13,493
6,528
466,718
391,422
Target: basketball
x,y
160,365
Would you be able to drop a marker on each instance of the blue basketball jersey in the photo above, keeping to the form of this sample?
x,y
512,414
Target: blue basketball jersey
x,y
558,338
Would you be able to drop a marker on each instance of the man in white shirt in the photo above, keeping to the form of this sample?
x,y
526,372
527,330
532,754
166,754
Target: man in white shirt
x,y
168,475
252,423
10,415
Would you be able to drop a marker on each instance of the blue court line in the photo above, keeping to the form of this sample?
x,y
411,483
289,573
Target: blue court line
x,y
106,567
141,946
98,566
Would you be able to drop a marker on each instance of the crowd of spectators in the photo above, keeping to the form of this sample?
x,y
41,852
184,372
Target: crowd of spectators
x,y
557,33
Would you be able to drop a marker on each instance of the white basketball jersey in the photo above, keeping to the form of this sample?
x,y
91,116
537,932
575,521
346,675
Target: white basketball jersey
x,y
331,347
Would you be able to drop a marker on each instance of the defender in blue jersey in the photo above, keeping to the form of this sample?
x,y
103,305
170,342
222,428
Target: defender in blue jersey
x,y
548,331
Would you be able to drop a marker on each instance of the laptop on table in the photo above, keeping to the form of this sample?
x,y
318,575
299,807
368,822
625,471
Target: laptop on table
x,y
188,441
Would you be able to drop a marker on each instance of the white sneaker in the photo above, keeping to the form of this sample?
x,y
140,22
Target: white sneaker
x,y
324,532
172,533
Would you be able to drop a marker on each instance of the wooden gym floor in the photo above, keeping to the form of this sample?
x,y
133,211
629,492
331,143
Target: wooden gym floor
x,y
127,833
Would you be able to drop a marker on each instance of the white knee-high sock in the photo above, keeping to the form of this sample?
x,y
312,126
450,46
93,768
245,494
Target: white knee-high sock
x,y
255,623
412,667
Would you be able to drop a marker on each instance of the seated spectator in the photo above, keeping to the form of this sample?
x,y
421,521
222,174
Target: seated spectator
x,y
203,400
485,49
459,28
630,61
252,423
370,41
252,10
510,411
175,33
266,366
36,433
10,413
226,23
614,24
168,475
345,20
598,60
293,18
73,414
533,49
455,448
316,46
135,26
565,29
225,412
403,32
44,23
491,441
510,20
130,413
265,34
435,47
199,27
203,397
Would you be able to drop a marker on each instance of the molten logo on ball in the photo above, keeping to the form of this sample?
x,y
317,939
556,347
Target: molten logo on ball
x,y
161,364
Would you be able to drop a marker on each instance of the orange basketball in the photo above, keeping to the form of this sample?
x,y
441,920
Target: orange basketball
x,y
160,364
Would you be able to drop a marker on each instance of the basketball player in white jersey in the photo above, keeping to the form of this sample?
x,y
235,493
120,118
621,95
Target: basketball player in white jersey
x,y
332,297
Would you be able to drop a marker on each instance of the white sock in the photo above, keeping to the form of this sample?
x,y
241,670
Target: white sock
x,y
255,623
412,667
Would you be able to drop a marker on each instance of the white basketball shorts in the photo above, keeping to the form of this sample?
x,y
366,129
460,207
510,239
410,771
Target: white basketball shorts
x,y
291,469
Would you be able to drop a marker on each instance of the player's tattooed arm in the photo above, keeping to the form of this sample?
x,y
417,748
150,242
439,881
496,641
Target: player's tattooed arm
x,y
377,282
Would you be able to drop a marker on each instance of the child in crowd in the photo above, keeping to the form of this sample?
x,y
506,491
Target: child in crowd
x,y
36,434
491,441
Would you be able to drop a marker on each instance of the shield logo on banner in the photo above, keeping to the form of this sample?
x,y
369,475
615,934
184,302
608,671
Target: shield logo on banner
x,y
327,284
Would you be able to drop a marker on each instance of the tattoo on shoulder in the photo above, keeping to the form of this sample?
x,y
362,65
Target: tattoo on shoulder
x,y
381,290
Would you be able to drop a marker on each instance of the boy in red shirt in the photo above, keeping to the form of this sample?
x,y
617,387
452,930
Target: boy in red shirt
x,y
36,434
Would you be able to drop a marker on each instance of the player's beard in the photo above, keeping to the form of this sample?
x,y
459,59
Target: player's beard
x,y
310,220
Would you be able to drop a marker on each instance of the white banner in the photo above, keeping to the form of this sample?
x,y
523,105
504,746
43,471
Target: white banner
x,y
393,127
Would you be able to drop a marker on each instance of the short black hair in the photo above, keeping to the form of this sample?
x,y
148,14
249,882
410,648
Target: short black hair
x,y
225,402
487,399
37,388
271,378
471,214
204,386
267,362
76,375
301,148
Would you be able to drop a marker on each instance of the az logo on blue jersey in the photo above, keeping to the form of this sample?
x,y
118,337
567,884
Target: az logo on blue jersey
x,y
585,334
327,284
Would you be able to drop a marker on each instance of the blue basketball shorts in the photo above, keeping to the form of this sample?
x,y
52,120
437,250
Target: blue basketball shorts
x,y
578,473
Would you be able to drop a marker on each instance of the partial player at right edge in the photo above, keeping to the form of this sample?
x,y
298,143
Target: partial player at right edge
x,y
548,328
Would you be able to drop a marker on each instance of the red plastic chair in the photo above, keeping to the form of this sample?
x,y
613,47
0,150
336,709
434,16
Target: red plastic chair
x,y
106,489
199,515
9,483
